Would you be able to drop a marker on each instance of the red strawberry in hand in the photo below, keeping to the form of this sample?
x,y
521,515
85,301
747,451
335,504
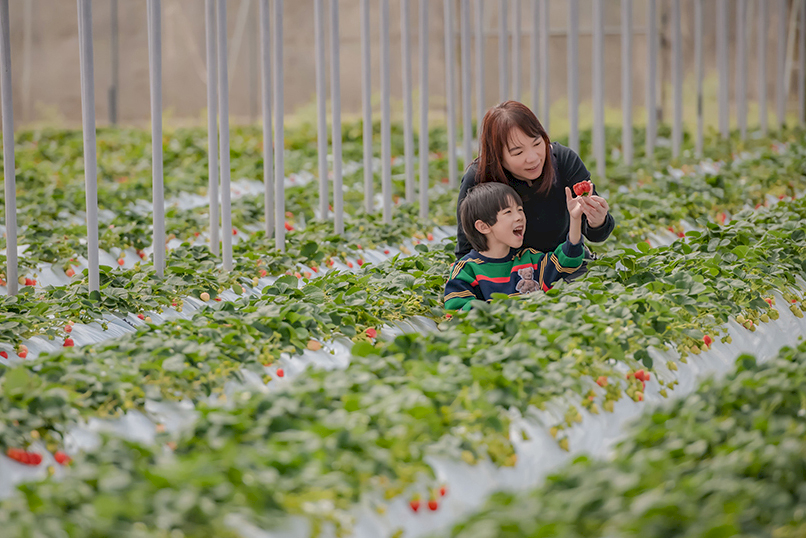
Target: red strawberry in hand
x,y
583,188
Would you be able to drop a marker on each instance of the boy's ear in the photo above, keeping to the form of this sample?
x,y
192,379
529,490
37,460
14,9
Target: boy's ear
x,y
482,227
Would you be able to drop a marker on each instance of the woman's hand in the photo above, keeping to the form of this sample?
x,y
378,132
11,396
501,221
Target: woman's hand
x,y
595,208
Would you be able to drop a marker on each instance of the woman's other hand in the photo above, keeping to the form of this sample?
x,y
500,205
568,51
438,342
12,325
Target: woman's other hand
x,y
594,207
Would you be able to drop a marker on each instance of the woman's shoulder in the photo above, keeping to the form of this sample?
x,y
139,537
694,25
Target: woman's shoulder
x,y
563,154
469,177
568,164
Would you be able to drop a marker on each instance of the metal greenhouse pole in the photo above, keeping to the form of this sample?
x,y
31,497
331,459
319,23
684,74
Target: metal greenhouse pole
x,y
573,74
88,128
268,150
802,64
598,87
780,64
503,52
335,98
544,63
699,73
366,106
423,153
652,56
321,105
516,50
212,123
480,108
450,93
223,115
626,80
741,67
763,23
408,120
722,61
467,89
9,173
386,134
279,134
157,181
677,79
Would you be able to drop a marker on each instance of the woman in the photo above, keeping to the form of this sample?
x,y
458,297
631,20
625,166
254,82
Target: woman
x,y
516,150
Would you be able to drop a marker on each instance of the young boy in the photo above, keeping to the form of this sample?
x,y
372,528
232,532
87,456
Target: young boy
x,y
493,221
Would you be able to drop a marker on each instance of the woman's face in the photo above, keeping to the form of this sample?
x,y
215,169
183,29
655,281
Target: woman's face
x,y
524,156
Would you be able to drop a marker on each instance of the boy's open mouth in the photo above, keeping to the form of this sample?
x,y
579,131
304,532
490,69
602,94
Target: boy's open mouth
x,y
518,231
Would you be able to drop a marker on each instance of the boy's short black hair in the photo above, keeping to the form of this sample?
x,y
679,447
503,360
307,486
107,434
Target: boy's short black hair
x,y
483,202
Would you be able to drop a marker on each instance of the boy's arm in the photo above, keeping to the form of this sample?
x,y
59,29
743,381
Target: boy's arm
x,y
565,259
459,291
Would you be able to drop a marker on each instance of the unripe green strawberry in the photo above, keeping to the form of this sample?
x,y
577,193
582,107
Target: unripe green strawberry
x,y
774,314
765,318
672,365
796,310
740,319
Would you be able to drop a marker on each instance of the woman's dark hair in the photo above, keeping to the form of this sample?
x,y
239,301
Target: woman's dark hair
x,y
483,202
496,129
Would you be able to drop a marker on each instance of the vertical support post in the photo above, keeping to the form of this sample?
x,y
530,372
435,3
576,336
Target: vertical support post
x,y
802,64
626,80
253,67
279,134
763,22
9,173
677,79
467,114
598,87
155,74
423,152
335,98
516,50
366,106
781,90
268,150
503,52
741,67
544,63
212,125
408,135
321,105
480,41
722,61
534,58
223,156
699,69
450,92
573,74
88,128
652,55
386,143
114,52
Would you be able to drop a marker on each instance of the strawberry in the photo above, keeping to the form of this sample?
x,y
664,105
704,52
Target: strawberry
x,y
308,274
314,345
120,261
68,328
386,251
3,354
204,296
350,265
433,505
443,491
296,274
601,381
24,457
195,234
141,316
263,273
639,375
68,342
218,299
583,188
681,234
639,396
280,372
70,272
288,227
708,340
769,301
360,262
22,353
358,246
315,269
371,332
448,316
62,458
234,231
415,504
29,282
430,236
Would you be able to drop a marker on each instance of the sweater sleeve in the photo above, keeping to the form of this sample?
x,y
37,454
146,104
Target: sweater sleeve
x,y
463,246
572,171
459,291
565,259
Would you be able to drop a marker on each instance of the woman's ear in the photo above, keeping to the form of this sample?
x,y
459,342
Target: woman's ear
x,y
482,227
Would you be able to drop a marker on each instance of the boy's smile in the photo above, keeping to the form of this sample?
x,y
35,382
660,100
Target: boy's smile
x,y
507,232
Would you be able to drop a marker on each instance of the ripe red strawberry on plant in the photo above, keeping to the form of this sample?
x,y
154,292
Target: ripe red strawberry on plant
x,y
23,456
372,333
62,458
415,504
583,188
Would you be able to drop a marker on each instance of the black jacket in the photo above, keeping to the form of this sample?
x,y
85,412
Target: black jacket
x,y
547,219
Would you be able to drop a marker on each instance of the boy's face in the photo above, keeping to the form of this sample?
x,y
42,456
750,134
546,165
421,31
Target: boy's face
x,y
508,229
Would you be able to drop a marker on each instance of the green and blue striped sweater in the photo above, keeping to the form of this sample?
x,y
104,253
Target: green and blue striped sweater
x,y
522,271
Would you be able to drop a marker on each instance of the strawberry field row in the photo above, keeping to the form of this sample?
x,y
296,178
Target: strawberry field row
x,y
446,392
192,269
726,461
